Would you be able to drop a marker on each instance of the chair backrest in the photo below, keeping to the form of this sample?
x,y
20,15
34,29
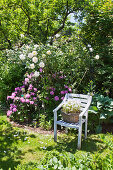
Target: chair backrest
x,y
81,98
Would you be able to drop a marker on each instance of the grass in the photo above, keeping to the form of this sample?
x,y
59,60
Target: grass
x,y
19,146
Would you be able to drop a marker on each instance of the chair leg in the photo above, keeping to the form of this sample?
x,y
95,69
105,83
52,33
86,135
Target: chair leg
x,y
55,126
86,128
79,136
55,132
66,130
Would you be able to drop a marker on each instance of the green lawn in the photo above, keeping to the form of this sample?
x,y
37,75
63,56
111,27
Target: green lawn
x,y
19,146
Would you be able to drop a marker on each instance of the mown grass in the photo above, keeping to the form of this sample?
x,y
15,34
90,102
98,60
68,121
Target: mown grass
x,y
19,146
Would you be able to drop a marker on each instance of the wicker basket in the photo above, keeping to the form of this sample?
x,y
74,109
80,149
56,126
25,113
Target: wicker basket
x,y
70,117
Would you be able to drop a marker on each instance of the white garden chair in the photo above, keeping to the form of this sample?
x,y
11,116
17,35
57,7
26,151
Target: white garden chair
x,y
85,101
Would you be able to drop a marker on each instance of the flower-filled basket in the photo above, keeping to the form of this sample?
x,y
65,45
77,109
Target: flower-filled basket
x,y
70,111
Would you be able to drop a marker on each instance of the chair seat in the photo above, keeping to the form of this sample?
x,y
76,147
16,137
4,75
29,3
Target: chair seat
x,y
70,125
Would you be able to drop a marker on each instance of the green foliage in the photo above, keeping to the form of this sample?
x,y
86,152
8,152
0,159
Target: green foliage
x,y
97,31
102,107
43,123
40,19
11,75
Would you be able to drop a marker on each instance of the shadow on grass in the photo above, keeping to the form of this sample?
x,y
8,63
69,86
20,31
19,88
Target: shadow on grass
x,y
9,153
70,145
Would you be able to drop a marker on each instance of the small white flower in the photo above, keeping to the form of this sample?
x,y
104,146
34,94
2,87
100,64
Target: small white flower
x,y
36,45
48,52
36,74
22,57
89,45
97,57
27,46
22,35
41,64
43,55
57,35
34,53
35,59
84,48
32,66
91,49
30,55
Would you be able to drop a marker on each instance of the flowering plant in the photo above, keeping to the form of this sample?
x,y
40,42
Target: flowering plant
x,y
71,106
25,104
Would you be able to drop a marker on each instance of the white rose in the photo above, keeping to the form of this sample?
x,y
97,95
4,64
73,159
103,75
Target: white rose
x,y
22,57
35,59
30,55
34,53
32,66
36,74
97,57
41,64
48,52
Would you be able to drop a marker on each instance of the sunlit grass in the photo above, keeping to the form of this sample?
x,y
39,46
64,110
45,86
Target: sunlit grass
x,y
19,146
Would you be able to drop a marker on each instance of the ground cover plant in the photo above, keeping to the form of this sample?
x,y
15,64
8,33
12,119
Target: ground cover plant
x,y
25,149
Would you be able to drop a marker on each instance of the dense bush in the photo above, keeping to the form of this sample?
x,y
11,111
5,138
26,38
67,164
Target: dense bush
x,y
11,75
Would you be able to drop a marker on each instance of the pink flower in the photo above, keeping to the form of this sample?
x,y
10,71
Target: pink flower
x,y
27,100
47,98
61,77
69,89
41,70
13,94
16,98
66,91
22,100
27,96
56,98
34,98
17,88
35,89
31,102
8,97
14,109
12,97
52,92
26,80
32,94
29,76
62,92
9,112
62,98
66,87
30,87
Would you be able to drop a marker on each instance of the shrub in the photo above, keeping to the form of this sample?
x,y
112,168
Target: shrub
x,y
102,108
